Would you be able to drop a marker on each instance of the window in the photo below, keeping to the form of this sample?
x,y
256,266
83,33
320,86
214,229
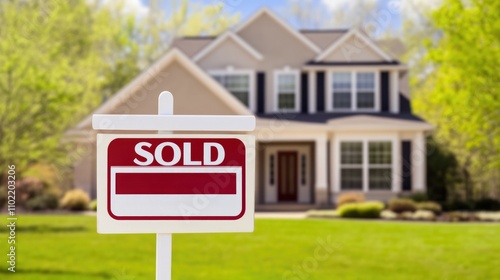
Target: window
x,y
353,91
236,83
271,169
365,90
342,90
303,172
351,169
377,166
380,165
287,91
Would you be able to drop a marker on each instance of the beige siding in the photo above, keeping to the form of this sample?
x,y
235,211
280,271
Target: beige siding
x,y
228,53
404,84
352,50
84,170
279,48
190,95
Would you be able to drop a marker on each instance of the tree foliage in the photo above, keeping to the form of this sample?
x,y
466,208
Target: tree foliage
x,y
460,93
61,59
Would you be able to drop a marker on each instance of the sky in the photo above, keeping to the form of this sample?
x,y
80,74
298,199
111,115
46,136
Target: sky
x,y
391,12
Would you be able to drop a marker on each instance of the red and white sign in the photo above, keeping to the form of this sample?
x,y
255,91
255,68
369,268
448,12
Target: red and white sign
x,y
175,183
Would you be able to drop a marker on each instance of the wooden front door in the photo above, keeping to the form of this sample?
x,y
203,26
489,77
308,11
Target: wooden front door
x,y
287,176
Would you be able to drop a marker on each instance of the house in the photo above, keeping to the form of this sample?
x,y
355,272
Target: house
x,y
332,106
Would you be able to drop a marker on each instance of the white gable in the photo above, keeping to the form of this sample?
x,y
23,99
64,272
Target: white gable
x,y
352,47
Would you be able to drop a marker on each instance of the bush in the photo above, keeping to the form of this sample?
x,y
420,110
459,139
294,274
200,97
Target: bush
x,y
322,214
487,204
457,205
418,197
457,216
400,205
350,197
93,205
488,216
370,209
425,215
45,201
429,206
75,200
388,215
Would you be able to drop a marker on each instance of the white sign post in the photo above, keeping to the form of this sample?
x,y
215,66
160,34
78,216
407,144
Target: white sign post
x,y
174,183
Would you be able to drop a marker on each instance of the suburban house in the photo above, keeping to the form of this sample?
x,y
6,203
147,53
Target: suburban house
x,y
333,109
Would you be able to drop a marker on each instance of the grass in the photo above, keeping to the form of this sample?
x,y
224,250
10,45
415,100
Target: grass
x,y
68,247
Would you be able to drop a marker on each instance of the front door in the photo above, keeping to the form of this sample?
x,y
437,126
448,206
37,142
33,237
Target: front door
x,y
287,176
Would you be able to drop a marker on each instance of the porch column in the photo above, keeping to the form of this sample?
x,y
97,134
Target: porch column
x,y
321,170
418,158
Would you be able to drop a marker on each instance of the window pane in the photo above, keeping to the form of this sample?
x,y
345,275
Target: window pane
x,y
271,170
341,81
351,152
351,178
365,81
380,152
366,100
379,178
342,100
237,84
286,101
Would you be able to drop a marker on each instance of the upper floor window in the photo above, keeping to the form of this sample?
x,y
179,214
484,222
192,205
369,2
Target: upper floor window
x,y
287,90
353,91
237,82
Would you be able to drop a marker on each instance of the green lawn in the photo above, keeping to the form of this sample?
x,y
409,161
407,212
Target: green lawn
x,y
68,247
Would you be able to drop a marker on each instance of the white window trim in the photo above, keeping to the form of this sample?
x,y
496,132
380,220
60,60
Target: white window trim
x,y
294,72
329,91
251,81
365,138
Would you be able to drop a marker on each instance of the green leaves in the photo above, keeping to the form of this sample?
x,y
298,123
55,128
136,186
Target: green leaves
x,y
462,95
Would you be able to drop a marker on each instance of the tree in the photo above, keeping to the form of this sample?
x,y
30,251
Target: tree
x,y
461,92
61,59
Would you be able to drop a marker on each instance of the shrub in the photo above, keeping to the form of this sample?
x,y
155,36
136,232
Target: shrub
x,y
457,205
425,215
322,214
457,216
75,200
400,205
93,205
388,215
3,197
350,197
429,206
45,201
487,204
489,216
370,209
418,197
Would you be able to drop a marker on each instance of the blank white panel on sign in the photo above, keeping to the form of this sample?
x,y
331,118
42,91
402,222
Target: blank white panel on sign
x,y
219,193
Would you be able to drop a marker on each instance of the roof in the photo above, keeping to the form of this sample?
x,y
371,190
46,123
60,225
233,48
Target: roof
x,y
192,45
325,117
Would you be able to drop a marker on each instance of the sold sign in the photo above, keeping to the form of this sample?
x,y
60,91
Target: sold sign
x,y
176,179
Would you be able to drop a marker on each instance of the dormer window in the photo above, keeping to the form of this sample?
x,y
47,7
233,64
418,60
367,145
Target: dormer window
x,y
238,82
286,87
353,91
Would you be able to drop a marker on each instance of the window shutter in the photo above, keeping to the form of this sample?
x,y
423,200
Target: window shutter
x,y
406,165
304,85
320,91
261,92
384,91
